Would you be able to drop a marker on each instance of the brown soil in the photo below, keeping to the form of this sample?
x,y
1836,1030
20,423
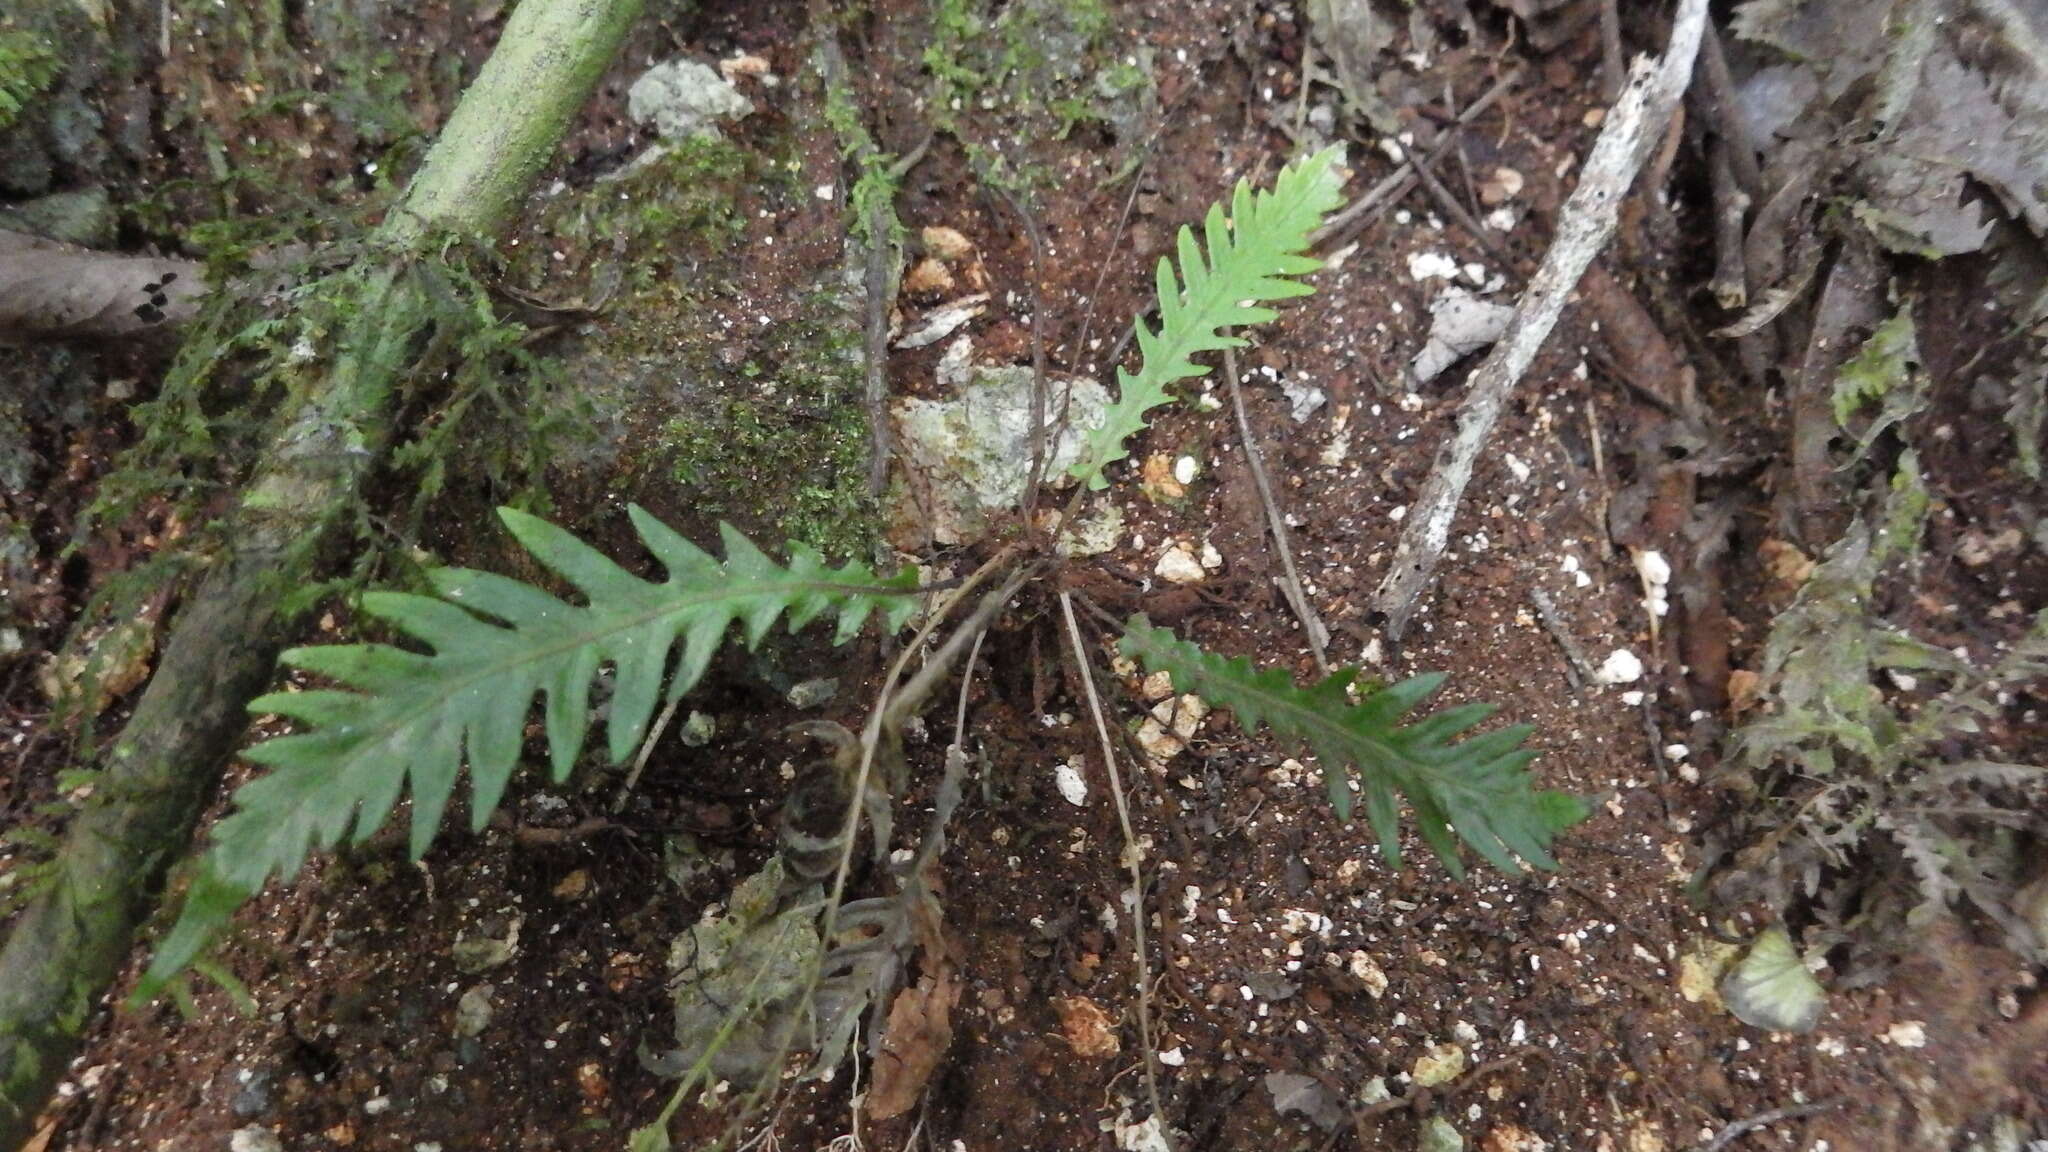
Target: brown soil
x,y
1282,942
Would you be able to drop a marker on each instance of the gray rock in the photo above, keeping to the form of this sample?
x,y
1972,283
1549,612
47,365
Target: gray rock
x,y
252,1099
814,693
1294,1092
683,98
84,217
970,457
474,1011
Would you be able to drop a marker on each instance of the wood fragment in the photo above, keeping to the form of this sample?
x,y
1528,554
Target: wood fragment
x,y
50,290
1612,66
1577,669
1740,1128
1731,206
1585,223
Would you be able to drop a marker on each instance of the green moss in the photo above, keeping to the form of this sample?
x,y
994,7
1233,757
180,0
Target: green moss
x,y
27,65
782,442
1036,69
683,203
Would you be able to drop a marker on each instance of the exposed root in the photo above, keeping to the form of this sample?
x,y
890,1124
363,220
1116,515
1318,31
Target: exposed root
x,y
1132,859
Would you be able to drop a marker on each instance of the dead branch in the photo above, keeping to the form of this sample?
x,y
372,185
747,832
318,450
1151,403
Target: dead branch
x,y
1584,225
50,290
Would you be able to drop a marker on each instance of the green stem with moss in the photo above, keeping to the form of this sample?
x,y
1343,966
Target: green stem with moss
x,y
72,941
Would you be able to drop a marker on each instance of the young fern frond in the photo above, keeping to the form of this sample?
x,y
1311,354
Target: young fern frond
x,y
405,717
1477,789
1250,257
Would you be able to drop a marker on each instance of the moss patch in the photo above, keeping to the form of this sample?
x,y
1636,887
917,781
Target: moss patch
x,y
1036,69
782,441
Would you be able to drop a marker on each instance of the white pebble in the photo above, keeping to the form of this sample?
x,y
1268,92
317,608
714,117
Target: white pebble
x,y
1072,785
1621,667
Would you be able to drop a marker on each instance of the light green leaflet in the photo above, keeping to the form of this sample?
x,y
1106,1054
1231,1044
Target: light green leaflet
x,y
408,718
1244,259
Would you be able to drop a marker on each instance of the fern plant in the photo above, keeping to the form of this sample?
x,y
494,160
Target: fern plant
x,y
27,65
406,717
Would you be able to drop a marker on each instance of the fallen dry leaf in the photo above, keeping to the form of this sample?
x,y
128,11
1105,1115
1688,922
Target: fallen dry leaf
x,y
112,662
1784,563
1156,478
928,277
914,1039
1745,689
1090,1032
947,244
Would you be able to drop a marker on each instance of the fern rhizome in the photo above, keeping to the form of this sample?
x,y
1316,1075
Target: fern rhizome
x,y
484,648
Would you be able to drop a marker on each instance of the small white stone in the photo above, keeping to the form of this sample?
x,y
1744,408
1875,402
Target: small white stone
x,y
1183,715
254,1139
1173,1057
1431,266
825,192
1072,785
1157,742
1211,558
1633,698
1179,565
377,1105
1654,569
1621,667
1185,470
1676,751
1907,1034
1368,973
1158,686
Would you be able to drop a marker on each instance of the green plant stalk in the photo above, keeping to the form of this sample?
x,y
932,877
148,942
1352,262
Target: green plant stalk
x,y
72,941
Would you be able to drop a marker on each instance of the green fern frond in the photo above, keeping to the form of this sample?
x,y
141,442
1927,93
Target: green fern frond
x,y
1251,257
405,717
1477,789
27,65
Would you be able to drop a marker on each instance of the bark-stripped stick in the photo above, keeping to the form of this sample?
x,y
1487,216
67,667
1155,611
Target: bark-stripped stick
x,y
1584,226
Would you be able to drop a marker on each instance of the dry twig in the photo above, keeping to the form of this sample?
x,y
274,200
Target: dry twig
x,y
1743,1127
1131,858
1290,585
1584,226
1355,216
